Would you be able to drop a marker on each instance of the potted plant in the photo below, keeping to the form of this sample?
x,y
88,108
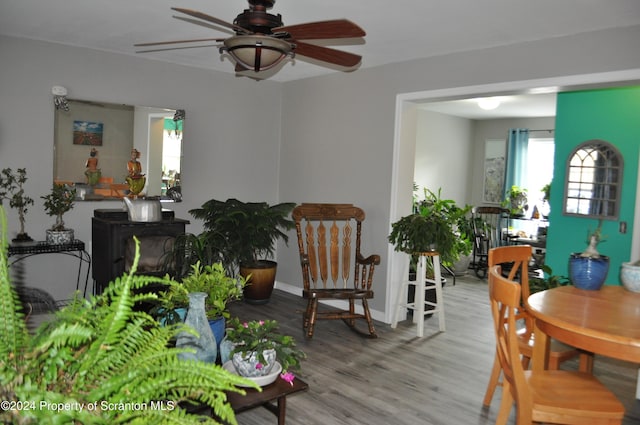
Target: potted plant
x,y
433,227
257,346
243,234
211,279
516,201
56,203
12,189
65,361
588,269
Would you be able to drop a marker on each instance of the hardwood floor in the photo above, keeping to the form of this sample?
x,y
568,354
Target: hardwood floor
x,y
400,379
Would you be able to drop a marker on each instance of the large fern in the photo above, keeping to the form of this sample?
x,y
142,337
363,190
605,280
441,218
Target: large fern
x,y
103,353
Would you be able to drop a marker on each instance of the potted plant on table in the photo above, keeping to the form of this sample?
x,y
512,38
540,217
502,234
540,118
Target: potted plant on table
x,y
12,189
56,203
244,233
211,279
257,347
588,269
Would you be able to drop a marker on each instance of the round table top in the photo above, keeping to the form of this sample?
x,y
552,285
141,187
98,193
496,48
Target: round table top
x,y
610,315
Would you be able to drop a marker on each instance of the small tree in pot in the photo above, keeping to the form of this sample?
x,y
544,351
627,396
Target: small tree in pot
x,y
588,269
12,189
56,203
245,233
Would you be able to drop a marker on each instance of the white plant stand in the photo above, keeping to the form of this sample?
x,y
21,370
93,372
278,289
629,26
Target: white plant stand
x,y
419,303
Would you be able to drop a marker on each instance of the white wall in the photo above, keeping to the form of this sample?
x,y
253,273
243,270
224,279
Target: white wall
x,y
326,138
444,147
339,130
231,136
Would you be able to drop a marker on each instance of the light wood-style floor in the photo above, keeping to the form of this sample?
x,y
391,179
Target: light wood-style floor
x,y
398,379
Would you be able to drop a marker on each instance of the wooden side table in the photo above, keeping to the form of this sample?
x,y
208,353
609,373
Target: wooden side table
x,y
276,392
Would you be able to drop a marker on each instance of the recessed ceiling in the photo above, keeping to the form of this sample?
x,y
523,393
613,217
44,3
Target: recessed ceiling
x,y
397,31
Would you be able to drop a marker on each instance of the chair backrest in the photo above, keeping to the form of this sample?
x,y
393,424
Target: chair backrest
x,y
514,259
329,243
489,224
504,295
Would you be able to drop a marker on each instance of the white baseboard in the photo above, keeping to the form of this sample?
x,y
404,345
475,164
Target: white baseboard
x,y
344,305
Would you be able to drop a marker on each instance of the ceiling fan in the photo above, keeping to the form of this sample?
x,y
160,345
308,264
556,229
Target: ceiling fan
x,y
261,41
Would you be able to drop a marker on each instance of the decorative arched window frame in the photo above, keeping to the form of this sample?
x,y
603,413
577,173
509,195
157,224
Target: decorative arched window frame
x,y
593,181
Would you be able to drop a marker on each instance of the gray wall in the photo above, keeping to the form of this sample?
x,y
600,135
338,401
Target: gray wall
x,y
326,138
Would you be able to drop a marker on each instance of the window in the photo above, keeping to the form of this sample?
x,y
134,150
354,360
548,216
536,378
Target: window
x,y
539,170
594,176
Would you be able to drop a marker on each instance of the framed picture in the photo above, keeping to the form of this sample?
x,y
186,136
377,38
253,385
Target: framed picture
x,y
494,170
87,133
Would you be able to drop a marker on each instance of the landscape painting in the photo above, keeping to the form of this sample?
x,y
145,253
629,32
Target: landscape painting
x,y
87,133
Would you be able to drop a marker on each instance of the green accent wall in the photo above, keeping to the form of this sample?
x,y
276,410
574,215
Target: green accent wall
x,y
612,115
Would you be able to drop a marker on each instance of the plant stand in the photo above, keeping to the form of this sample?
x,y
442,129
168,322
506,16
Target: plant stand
x,y
422,284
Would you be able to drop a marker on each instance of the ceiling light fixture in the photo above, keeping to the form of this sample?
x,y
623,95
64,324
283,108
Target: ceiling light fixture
x,y
257,52
488,103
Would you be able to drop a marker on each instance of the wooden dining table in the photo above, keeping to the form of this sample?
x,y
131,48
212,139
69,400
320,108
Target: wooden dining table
x,y
605,322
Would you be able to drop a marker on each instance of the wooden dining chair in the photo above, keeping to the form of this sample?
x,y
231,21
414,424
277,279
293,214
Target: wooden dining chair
x,y
490,229
333,267
548,396
514,261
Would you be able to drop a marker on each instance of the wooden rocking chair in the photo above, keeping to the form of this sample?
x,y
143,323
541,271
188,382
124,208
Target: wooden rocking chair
x,y
329,243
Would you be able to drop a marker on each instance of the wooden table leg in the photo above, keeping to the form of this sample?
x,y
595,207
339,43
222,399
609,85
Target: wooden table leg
x,y
541,343
282,410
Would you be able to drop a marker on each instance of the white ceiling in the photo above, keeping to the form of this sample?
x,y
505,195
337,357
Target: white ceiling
x,y
512,106
397,31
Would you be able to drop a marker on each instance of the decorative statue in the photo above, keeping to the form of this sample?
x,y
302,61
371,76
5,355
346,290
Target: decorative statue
x,y
135,178
92,172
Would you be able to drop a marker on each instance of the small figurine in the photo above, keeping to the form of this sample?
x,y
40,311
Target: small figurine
x,y
92,172
135,178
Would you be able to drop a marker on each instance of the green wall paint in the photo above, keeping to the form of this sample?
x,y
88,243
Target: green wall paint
x,y
612,115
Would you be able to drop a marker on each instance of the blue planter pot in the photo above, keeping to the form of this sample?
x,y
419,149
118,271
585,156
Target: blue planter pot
x,y
217,327
588,273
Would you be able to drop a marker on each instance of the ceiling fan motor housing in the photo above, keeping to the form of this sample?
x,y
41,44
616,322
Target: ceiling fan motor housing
x,y
256,18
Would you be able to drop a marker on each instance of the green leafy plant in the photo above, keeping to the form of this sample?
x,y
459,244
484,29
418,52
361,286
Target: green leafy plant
x,y
103,361
212,279
59,201
243,232
434,226
547,281
516,201
12,189
546,192
259,335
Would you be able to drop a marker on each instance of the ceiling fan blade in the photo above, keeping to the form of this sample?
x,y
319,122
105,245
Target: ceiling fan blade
x,y
210,18
195,40
164,49
338,28
325,54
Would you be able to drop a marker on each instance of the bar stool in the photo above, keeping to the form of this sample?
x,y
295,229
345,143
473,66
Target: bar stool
x,y
422,284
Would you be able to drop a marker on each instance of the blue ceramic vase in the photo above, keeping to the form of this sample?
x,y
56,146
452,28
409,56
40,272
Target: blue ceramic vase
x,y
588,273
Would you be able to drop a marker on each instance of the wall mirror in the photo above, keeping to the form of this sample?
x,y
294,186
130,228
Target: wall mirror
x,y
97,135
593,181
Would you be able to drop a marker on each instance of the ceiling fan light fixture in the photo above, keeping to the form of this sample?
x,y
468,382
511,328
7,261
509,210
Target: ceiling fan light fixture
x,y
489,103
257,52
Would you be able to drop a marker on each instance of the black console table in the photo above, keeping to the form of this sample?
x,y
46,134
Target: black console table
x,y
75,249
112,248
